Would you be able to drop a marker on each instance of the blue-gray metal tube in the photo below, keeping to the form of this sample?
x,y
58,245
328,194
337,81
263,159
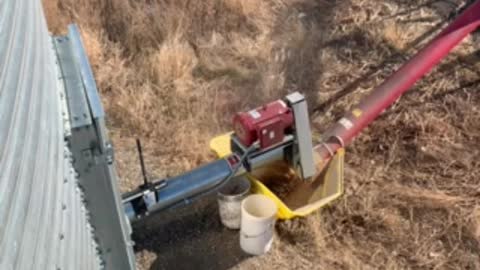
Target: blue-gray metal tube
x,y
192,184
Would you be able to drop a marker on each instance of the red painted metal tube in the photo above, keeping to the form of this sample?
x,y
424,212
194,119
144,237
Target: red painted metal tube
x,y
345,130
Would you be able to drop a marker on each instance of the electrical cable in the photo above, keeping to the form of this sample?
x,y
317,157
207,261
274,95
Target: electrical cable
x,y
224,181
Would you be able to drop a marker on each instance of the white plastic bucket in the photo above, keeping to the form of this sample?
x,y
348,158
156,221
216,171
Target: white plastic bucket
x,y
230,198
257,224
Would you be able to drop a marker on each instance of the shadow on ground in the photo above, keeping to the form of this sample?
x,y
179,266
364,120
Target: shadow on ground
x,y
446,10
189,238
193,237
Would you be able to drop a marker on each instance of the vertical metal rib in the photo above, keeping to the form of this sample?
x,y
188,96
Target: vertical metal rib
x,y
43,220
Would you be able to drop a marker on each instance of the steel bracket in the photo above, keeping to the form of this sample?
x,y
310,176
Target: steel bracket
x,y
92,154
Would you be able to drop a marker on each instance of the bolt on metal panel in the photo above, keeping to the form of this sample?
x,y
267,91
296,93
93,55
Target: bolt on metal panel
x,y
44,223
94,161
76,100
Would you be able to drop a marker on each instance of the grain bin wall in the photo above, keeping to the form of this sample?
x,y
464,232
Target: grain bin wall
x,y
46,220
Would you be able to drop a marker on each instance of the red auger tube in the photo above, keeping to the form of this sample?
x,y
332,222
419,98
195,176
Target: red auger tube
x,y
348,127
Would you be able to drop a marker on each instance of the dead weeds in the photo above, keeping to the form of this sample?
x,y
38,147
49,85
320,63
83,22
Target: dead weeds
x,y
174,72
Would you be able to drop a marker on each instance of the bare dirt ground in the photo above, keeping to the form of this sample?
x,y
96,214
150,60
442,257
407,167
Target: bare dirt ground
x,y
173,72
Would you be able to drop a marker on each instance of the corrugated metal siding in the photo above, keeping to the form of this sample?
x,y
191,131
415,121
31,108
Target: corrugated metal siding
x,y
43,220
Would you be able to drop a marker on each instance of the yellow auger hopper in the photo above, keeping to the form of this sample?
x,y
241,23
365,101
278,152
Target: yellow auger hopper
x,y
304,197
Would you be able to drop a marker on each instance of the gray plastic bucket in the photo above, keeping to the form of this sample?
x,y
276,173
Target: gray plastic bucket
x,y
230,199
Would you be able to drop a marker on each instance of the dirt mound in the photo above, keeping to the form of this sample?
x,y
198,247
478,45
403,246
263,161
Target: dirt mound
x,y
174,72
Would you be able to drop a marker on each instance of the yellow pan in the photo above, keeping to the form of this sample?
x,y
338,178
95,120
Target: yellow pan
x,y
325,189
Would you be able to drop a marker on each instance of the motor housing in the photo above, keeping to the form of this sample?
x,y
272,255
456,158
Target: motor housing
x,y
268,124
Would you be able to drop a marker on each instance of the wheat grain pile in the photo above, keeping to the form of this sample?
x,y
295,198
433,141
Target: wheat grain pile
x,y
173,72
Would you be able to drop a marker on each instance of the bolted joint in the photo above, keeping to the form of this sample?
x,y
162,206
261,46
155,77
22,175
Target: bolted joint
x,y
109,153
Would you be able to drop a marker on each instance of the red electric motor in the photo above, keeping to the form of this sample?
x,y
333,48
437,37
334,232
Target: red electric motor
x,y
268,124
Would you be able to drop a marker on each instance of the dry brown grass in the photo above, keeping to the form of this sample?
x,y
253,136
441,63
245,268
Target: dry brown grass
x,y
174,72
